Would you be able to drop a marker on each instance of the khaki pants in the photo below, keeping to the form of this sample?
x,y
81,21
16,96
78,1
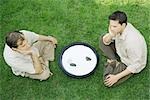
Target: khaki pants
x,y
46,51
110,53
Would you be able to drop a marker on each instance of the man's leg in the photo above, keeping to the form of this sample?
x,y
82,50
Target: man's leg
x,y
46,49
109,69
108,50
43,76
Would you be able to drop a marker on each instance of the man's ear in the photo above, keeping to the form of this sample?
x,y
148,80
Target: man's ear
x,y
124,24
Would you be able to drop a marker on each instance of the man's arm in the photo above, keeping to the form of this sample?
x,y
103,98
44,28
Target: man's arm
x,y
123,73
34,56
47,38
107,39
36,63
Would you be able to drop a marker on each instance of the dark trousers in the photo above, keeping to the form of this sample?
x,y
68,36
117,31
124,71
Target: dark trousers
x,y
110,53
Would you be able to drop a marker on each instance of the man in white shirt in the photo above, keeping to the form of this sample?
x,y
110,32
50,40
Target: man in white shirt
x,y
125,49
28,54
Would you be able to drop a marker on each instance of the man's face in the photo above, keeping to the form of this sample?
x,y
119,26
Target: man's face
x,y
115,26
23,44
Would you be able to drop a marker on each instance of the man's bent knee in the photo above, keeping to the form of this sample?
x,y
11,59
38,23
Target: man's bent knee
x,y
101,43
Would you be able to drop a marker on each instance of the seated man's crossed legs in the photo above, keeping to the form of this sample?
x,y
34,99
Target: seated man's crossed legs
x,y
114,65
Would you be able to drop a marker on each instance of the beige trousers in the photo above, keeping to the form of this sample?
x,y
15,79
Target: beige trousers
x,y
47,52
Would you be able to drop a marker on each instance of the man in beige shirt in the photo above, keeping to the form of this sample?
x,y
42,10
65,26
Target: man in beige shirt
x,y
125,49
28,54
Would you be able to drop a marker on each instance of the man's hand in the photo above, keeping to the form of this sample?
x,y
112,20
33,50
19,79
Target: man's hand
x,y
112,33
111,80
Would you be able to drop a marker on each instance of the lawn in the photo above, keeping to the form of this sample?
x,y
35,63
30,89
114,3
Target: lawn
x,y
71,21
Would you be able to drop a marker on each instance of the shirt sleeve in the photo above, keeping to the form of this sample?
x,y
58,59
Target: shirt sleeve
x,y
135,56
22,65
30,36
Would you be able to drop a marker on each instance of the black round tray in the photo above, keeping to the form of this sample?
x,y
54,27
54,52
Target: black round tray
x,y
81,44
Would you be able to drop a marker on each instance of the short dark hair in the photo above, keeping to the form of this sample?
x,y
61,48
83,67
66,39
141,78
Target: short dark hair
x,y
12,38
120,16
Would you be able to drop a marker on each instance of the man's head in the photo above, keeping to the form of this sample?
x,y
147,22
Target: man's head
x,y
16,40
117,21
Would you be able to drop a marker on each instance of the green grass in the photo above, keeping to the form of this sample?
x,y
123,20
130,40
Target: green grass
x,y
70,21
